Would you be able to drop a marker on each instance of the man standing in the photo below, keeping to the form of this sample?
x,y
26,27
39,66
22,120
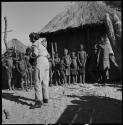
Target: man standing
x,y
41,72
82,57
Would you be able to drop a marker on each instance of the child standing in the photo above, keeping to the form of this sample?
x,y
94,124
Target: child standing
x,y
82,57
73,67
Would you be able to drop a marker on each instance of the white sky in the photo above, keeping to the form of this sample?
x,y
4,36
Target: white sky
x,y
26,17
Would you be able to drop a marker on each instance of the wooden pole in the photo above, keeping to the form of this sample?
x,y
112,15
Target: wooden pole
x,y
5,34
56,47
52,52
88,47
8,31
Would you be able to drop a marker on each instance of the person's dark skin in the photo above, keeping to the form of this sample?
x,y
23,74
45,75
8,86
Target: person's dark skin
x,y
74,77
82,63
66,77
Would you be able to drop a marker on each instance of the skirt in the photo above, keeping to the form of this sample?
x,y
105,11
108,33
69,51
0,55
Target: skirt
x,y
73,71
67,71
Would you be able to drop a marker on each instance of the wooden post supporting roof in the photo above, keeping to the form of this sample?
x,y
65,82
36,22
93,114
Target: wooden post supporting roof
x,y
52,52
88,47
56,47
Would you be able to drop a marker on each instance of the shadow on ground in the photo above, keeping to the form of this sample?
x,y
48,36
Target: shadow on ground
x,y
17,99
92,109
117,85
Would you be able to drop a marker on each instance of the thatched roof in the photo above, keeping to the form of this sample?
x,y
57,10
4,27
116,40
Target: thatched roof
x,y
79,14
18,44
114,4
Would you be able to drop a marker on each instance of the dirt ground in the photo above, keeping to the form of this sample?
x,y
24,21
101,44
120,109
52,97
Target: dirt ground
x,y
89,103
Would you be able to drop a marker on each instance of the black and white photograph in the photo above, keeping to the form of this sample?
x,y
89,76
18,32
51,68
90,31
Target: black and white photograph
x,y
61,62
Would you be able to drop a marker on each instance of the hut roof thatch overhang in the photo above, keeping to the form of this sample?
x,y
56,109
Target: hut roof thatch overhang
x,y
78,15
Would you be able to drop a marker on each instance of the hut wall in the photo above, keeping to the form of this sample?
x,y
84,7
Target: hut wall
x,y
88,36
71,39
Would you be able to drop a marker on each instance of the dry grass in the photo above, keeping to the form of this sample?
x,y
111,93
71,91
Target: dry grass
x,y
79,14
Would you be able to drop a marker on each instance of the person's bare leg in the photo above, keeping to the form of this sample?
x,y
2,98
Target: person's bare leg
x,y
56,79
9,83
26,85
65,80
74,79
13,87
80,78
83,79
26,82
107,74
22,85
69,79
30,80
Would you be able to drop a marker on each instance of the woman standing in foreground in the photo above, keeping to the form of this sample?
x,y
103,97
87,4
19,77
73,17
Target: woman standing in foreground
x,y
41,72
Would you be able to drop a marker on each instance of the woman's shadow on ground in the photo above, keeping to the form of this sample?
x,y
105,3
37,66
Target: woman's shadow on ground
x,y
17,99
92,109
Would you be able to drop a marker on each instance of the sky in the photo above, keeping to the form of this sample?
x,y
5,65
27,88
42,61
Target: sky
x,y
26,17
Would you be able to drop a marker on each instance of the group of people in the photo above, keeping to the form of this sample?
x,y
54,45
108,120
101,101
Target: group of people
x,y
67,69
17,64
38,68
71,68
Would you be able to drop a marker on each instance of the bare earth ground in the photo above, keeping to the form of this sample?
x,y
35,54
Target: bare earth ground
x,y
89,103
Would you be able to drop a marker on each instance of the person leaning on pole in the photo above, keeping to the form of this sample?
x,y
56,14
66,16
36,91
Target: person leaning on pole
x,y
41,71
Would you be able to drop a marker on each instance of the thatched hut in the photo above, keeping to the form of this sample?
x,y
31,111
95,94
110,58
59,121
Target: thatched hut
x,y
81,22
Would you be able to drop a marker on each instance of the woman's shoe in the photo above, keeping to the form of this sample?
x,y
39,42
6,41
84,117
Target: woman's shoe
x,y
38,104
45,100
